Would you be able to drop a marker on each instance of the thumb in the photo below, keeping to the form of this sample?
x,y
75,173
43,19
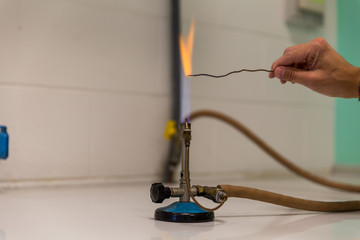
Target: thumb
x,y
291,74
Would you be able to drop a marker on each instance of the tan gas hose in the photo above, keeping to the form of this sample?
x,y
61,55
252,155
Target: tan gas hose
x,y
256,194
287,201
277,156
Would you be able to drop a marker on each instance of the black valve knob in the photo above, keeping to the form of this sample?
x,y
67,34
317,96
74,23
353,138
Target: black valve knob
x,y
158,192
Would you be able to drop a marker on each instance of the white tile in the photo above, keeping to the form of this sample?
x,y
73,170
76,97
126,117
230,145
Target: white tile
x,y
330,21
162,75
87,46
127,134
255,15
74,44
49,133
203,146
123,47
8,40
231,35
301,134
219,51
259,17
319,138
204,11
155,8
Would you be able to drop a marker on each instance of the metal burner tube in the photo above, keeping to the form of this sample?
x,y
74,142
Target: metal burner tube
x,y
185,161
186,196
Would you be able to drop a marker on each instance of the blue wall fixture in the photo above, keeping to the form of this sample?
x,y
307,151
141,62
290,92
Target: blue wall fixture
x,y
4,143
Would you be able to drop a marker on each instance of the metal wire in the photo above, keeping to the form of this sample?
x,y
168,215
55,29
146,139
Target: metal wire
x,y
227,74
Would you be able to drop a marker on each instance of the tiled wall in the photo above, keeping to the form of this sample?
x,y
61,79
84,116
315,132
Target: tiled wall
x,y
84,87
230,35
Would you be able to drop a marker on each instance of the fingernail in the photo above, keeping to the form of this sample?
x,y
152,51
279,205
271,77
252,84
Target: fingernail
x,y
280,72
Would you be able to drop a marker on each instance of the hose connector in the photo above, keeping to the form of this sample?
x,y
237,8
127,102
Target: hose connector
x,y
215,194
187,133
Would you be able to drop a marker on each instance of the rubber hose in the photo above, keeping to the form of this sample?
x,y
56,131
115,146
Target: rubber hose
x,y
287,201
273,153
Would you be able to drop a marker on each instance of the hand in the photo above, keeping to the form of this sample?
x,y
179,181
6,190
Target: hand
x,y
318,66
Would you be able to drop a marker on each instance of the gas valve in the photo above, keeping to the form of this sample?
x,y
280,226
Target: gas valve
x,y
158,192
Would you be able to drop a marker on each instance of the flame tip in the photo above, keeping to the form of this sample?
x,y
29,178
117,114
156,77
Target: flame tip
x,y
186,49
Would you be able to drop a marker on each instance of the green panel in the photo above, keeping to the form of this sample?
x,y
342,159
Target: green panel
x,y
347,116
347,132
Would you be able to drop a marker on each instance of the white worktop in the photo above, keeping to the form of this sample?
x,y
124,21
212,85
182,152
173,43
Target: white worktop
x,y
125,211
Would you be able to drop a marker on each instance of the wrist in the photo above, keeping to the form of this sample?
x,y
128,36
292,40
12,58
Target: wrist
x,y
354,88
357,82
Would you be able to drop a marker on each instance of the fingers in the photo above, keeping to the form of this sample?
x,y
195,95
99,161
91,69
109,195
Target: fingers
x,y
298,64
288,74
292,56
302,54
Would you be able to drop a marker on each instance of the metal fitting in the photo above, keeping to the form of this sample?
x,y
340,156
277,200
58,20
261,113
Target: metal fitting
x,y
159,192
187,133
179,192
215,194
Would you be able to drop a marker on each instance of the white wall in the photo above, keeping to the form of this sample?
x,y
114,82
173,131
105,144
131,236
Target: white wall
x,y
231,35
84,87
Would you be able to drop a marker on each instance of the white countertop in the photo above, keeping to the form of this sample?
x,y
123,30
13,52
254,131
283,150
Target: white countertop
x,y
125,211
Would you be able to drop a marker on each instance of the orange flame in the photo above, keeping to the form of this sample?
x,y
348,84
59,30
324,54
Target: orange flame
x,y
186,48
